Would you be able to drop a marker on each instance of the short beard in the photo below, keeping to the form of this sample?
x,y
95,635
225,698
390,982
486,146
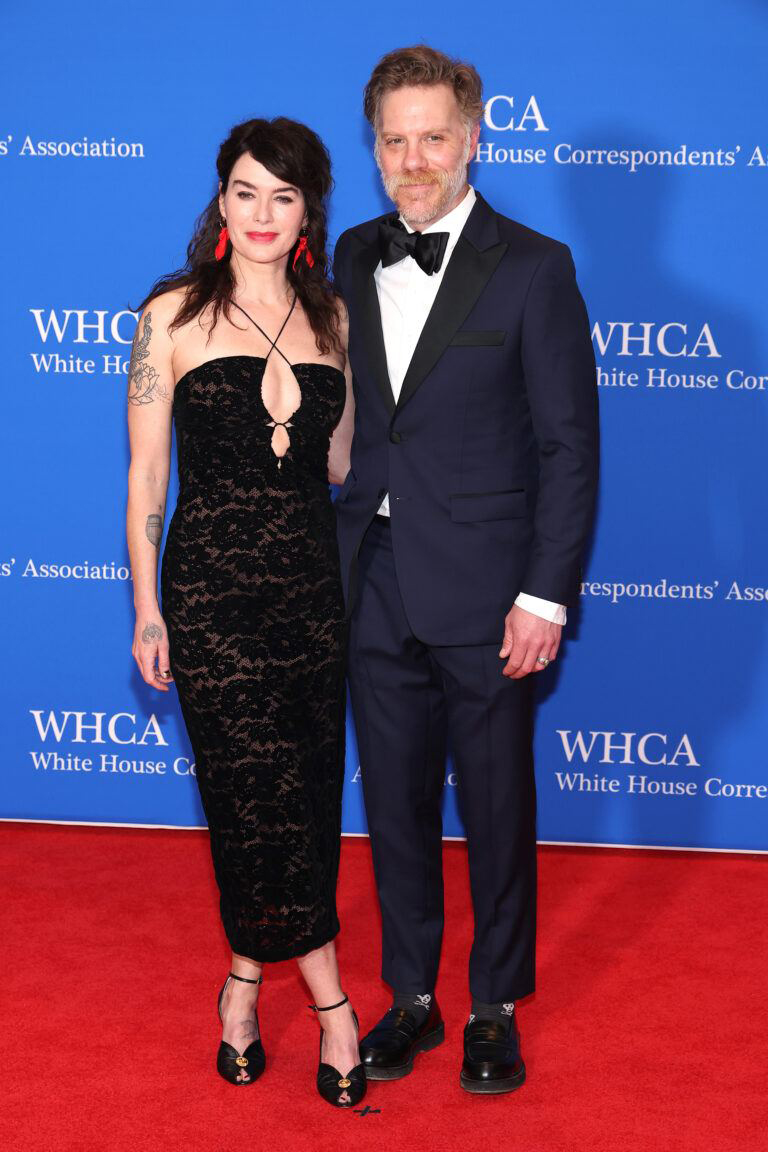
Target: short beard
x,y
450,183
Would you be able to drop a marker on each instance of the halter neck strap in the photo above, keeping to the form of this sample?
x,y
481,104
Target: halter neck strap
x,y
272,343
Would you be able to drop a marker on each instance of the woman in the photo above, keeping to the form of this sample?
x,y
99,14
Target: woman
x,y
245,350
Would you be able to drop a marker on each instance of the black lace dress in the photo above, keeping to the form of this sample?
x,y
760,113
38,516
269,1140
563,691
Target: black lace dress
x,y
251,596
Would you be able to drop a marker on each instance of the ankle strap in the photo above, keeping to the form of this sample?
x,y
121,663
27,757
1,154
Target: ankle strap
x,y
330,1007
244,979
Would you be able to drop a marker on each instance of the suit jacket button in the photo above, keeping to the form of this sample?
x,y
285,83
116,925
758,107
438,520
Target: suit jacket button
x,y
395,437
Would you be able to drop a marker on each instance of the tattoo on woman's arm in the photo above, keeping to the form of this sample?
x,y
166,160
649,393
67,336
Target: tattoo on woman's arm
x,y
143,381
154,529
152,632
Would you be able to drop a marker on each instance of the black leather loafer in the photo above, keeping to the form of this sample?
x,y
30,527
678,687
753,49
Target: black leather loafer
x,y
492,1060
388,1050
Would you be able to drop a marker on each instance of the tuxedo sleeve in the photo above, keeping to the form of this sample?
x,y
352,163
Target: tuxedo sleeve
x,y
338,263
560,380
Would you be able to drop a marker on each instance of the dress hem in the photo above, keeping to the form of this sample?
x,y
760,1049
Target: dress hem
x,y
275,955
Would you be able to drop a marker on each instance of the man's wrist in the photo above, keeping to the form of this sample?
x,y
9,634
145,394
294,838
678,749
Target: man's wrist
x,y
547,609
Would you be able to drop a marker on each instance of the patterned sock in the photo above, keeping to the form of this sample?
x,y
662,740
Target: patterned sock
x,y
502,1012
418,1005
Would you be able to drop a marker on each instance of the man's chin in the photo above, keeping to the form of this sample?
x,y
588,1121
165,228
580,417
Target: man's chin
x,y
418,209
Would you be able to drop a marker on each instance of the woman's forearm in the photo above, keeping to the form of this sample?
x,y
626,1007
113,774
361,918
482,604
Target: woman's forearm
x,y
144,529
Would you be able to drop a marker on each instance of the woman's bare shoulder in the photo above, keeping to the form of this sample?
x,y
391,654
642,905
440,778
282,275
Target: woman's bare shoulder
x,y
341,310
343,316
165,307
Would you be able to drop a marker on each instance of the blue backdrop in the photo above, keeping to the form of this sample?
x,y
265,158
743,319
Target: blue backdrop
x,y
636,133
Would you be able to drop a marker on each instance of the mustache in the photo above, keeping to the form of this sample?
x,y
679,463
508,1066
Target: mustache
x,y
427,176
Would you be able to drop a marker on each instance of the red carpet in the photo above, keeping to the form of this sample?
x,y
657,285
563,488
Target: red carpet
x,y
647,1032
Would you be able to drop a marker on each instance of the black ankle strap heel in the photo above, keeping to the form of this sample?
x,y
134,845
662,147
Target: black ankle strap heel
x,y
340,1091
240,1067
330,1008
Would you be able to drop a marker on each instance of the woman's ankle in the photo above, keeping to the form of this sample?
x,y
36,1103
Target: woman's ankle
x,y
336,1021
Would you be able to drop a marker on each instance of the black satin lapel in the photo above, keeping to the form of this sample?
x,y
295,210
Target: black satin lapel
x,y
370,322
467,274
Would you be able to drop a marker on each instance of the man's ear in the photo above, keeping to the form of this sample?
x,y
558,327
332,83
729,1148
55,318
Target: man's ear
x,y
473,139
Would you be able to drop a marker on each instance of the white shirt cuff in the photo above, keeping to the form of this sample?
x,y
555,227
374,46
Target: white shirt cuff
x,y
555,613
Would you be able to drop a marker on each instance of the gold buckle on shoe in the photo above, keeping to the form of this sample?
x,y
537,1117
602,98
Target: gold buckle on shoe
x,y
345,1083
241,1061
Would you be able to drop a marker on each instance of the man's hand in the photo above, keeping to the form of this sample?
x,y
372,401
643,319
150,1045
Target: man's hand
x,y
526,638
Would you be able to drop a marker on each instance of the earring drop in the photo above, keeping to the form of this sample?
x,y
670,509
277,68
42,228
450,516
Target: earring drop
x,y
303,249
221,247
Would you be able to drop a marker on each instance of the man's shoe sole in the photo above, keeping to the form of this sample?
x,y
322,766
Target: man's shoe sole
x,y
492,1087
425,1044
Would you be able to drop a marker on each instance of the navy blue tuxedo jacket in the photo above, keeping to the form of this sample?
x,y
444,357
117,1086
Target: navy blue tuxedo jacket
x,y
490,454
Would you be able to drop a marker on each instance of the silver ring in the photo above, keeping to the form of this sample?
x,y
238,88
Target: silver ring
x,y
166,673
542,660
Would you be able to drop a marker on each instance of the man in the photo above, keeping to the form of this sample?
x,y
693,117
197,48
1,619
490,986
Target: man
x,y
461,526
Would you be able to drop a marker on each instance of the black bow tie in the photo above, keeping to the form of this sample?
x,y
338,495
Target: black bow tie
x,y
426,248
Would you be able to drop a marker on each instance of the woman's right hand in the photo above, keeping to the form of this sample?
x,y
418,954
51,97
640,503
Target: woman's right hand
x,y
150,649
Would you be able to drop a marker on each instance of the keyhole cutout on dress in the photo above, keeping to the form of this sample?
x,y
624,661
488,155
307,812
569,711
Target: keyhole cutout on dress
x,y
281,397
280,389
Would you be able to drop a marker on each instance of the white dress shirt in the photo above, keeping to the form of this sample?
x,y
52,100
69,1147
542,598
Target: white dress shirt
x,y
406,295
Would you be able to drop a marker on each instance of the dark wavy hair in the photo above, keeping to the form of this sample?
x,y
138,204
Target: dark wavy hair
x,y
293,153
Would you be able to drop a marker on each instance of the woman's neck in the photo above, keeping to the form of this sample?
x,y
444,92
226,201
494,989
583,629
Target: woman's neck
x,y
265,284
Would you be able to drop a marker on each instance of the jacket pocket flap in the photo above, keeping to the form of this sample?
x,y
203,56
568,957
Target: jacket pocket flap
x,y
488,506
478,481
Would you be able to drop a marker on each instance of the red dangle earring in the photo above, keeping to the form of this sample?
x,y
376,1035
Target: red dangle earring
x,y
221,247
303,249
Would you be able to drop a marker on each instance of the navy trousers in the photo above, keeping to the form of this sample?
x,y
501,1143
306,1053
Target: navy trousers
x,y
411,702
